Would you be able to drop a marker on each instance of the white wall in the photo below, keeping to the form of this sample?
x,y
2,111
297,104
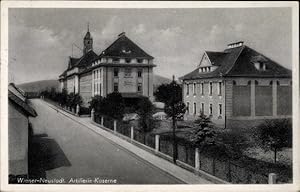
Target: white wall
x,y
18,141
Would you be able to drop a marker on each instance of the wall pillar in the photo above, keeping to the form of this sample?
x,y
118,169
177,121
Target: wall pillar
x,y
77,109
197,159
93,114
131,133
274,93
156,143
115,126
272,178
252,93
102,120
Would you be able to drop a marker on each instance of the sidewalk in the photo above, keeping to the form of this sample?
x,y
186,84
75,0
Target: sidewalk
x,y
178,172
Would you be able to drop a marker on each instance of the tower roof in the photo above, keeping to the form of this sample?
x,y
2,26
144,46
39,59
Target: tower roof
x,y
124,47
88,35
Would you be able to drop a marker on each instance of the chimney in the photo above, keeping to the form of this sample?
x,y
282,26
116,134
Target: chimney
x,y
236,44
121,34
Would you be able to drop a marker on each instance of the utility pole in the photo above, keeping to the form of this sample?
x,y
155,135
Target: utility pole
x,y
174,121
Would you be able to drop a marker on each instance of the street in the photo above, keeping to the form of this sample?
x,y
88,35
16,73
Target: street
x,y
76,152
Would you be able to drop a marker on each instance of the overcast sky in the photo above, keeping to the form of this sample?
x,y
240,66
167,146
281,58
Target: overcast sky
x,y
40,40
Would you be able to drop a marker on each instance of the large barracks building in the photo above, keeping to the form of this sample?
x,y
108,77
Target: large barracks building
x,y
238,85
122,67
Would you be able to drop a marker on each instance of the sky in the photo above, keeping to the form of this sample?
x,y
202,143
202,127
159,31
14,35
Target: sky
x,y
40,40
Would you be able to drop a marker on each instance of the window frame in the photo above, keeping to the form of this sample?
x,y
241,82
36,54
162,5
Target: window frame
x,y
210,88
116,70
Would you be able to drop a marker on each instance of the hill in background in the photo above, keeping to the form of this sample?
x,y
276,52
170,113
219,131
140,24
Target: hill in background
x,y
39,86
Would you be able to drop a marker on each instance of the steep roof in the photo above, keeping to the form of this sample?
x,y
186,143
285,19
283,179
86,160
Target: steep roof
x,y
124,47
72,62
86,59
19,99
238,62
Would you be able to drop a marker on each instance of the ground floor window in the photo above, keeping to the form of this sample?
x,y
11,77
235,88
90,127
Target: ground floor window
x,y
195,108
220,109
210,109
188,107
139,88
116,87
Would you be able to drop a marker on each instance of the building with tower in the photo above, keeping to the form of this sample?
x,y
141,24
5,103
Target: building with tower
x,y
238,87
122,67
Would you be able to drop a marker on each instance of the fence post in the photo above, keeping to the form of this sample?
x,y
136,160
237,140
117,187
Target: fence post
x,y
131,133
102,120
272,178
197,159
156,143
115,126
93,114
77,109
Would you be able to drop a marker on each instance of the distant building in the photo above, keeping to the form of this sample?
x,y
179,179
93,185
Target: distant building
x,y
18,113
238,85
122,67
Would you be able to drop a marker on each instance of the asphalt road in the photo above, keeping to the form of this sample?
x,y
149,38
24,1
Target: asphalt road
x,y
62,148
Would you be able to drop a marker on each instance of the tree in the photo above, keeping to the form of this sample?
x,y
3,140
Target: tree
x,y
113,105
145,112
62,97
174,107
165,91
95,103
275,135
204,133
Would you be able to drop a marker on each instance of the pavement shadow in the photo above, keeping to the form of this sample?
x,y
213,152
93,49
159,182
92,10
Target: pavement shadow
x,y
44,154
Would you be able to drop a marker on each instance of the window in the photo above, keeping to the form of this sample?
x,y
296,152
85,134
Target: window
x,y
127,72
187,89
210,88
127,60
195,108
188,107
202,88
194,88
100,73
116,87
210,109
116,59
116,72
100,89
202,108
139,73
139,60
97,72
220,109
220,88
139,87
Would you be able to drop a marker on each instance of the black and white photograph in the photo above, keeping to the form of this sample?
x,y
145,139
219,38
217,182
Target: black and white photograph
x,y
173,95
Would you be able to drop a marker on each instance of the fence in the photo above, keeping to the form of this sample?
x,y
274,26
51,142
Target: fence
x,y
221,167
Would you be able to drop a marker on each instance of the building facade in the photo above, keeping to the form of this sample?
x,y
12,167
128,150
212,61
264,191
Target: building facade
x,y
122,67
238,87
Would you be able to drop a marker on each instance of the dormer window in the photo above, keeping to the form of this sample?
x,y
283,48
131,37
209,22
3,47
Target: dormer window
x,y
116,59
260,66
127,60
139,60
